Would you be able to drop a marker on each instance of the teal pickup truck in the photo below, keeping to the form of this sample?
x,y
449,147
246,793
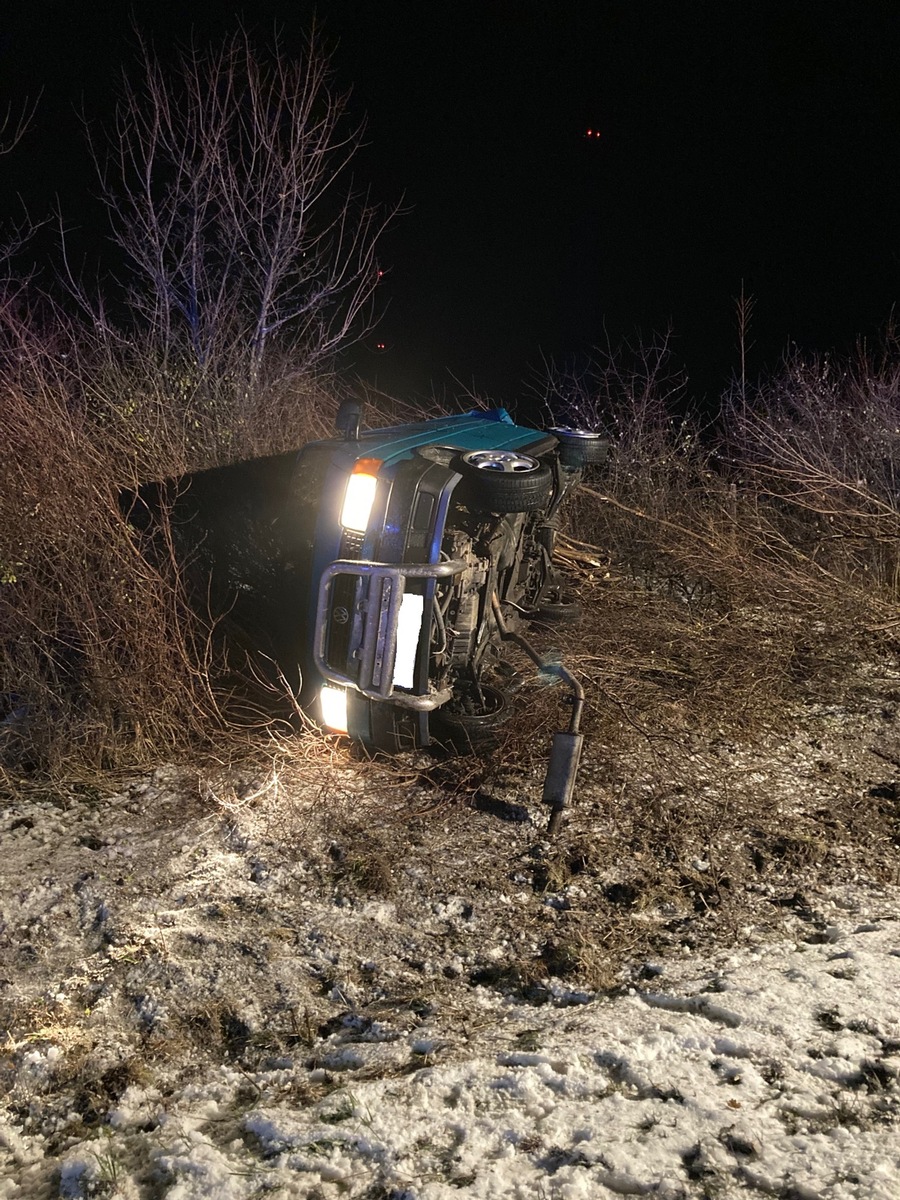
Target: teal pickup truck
x,y
381,571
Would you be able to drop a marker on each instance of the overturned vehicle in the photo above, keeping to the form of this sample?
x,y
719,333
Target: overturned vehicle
x,y
378,573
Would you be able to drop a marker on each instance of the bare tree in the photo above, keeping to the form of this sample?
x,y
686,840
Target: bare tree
x,y
744,305
222,179
14,126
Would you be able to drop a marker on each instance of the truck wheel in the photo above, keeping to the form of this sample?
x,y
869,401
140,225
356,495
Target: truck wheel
x,y
503,481
552,612
557,606
469,721
580,447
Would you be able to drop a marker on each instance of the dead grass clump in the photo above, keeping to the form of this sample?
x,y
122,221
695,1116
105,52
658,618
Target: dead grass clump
x,y
106,658
363,864
100,653
167,418
728,576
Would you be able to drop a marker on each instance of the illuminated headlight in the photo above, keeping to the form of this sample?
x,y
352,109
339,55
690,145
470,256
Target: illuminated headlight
x,y
360,495
409,630
333,703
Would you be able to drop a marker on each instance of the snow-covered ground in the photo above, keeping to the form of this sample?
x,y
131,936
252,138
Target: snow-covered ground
x,y
771,1072
317,988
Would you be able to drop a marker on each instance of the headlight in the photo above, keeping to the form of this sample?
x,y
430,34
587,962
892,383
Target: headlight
x,y
360,494
333,703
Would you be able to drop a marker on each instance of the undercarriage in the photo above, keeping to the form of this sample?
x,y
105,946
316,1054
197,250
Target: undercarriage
x,y
508,561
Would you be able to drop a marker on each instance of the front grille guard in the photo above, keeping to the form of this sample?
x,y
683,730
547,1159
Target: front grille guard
x,y
379,606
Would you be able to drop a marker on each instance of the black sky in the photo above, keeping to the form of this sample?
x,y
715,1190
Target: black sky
x,y
750,141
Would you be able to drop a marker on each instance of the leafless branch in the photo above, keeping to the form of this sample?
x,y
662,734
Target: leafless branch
x,y
243,249
13,126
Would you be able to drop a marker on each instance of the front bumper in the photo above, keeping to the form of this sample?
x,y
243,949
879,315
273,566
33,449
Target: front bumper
x,y
376,621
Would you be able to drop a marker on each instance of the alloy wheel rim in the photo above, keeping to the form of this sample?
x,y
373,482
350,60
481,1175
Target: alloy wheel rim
x,y
507,462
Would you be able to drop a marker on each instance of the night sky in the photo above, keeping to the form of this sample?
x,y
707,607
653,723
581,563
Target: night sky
x,y
748,141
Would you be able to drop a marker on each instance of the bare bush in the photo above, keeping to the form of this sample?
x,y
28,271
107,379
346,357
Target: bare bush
x,y
795,501
630,393
820,445
727,577
244,262
657,467
100,657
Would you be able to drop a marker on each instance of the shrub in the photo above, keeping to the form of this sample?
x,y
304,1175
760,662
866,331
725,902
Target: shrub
x,y
241,269
746,563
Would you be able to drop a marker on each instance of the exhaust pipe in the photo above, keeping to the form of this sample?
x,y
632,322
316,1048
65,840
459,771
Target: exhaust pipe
x,y
565,753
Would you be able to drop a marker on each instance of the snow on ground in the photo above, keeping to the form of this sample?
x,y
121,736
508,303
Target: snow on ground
x,y
771,1072
322,990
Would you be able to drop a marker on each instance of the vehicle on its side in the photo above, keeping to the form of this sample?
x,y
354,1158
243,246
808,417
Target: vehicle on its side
x,y
379,572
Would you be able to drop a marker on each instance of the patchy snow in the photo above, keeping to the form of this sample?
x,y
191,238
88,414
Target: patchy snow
x,y
337,993
772,1070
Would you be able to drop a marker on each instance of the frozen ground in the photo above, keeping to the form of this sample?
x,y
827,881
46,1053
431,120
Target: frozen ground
x,y
329,982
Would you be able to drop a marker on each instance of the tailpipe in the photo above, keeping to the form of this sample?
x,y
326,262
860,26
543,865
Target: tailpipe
x,y
565,753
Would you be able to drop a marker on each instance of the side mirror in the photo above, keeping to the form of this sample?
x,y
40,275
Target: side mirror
x,y
348,420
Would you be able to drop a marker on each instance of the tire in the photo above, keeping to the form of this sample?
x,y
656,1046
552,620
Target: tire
x,y
580,447
471,723
552,613
503,481
557,606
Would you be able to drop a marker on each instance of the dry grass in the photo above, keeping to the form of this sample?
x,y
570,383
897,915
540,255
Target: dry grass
x,y
99,649
104,660
726,578
210,341
729,575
